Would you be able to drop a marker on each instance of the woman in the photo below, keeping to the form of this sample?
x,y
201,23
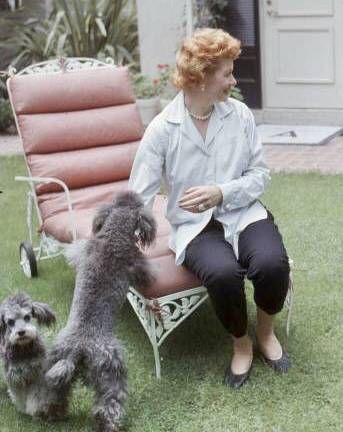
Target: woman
x,y
205,147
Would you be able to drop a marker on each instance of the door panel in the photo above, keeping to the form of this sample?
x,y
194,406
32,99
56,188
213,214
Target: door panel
x,y
300,65
305,7
303,53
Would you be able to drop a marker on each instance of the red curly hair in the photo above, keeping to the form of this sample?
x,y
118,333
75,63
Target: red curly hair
x,y
200,54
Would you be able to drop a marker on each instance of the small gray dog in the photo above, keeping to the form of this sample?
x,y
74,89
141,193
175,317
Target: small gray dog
x,y
106,265
24,354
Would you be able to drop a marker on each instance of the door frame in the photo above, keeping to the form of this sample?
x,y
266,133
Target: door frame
x,y
244,62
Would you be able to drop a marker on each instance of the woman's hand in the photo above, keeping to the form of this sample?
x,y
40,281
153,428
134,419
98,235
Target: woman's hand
x,y
200,198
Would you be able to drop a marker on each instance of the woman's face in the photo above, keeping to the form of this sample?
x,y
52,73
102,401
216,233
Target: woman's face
x,y
218,84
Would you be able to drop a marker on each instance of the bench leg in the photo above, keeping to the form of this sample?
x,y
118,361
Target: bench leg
x,y
154,343
147,319
157,361
161,316
289,302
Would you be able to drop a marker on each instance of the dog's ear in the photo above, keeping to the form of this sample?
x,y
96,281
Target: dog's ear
x,y
100,217
145,229
43,313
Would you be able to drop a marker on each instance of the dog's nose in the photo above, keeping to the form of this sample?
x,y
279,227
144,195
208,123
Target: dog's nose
x,y
21,332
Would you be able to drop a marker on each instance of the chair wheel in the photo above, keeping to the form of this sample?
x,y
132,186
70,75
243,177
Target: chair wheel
x,y
28,260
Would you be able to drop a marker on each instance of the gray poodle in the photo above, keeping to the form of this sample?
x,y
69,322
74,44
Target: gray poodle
x,y
24,355
106,265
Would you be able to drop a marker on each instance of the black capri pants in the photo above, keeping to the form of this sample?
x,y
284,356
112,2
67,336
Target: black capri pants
x,y
262,258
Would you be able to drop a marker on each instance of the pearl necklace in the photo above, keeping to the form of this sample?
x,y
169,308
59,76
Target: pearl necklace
x,y
199,117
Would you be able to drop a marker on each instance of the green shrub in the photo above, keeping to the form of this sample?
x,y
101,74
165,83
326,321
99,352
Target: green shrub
x,y
6,116
3,89
237,94
143,85
81,28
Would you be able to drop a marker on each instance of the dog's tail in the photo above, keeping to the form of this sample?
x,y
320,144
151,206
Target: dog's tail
x,y
60,374
74,252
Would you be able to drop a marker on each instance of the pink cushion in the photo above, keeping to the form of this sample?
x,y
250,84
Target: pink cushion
x,y
52,204
56,221
170,278
82,168
81,127
59,226
71,91
161,245
56,132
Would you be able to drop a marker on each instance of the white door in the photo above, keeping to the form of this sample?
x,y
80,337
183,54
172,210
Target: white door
x,y
302,53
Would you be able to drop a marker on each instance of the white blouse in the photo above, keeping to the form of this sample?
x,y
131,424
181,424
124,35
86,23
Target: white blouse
x,y
231,157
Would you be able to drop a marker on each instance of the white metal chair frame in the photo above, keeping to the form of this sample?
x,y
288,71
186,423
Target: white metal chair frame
x,y
160,316
48,246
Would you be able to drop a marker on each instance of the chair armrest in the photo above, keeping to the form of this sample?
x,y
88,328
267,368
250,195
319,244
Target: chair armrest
x,y
65,188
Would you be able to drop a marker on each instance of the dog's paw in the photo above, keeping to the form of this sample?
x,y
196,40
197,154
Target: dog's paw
x,y
60,373
54,412
107,421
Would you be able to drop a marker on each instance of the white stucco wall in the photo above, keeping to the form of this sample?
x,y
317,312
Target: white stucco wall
x,y
161,25
161,29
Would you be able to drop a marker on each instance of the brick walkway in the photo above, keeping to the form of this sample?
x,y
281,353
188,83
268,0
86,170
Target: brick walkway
x,y
327,159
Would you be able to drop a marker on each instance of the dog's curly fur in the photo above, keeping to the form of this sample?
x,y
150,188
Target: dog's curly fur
x,y
24,354
107,265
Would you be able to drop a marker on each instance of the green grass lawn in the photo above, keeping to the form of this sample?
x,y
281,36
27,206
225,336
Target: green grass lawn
x,y
190,396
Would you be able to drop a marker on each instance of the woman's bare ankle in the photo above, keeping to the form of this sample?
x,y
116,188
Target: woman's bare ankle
x,y
269,345
266,338
242,354
242,342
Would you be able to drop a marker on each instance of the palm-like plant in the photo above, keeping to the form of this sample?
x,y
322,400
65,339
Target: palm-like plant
x,y
31,41
82,28
93,28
